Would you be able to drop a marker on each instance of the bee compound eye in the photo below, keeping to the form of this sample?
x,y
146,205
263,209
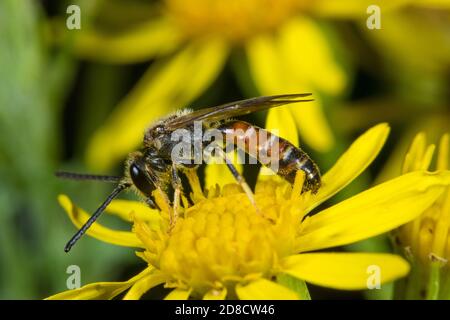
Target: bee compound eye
x,y
134,171
140,180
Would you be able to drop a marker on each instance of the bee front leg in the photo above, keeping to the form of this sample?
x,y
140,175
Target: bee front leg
x,y
149,201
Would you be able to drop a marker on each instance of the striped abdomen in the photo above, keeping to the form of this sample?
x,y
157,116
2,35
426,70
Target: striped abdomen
x,y
272,151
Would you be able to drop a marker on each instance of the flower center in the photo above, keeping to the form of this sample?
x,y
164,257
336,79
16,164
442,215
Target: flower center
x,y
222,240
234,19
429,236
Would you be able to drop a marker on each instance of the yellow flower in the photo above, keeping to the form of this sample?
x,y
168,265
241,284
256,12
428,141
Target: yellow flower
x,y
221,248
426,240
278,47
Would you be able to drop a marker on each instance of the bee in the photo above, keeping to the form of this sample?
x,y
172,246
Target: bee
x,y
153,167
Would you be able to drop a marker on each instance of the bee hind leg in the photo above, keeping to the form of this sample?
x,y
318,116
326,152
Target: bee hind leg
x,y
239,179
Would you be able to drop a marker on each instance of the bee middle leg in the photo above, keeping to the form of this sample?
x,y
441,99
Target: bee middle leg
x,y
177,187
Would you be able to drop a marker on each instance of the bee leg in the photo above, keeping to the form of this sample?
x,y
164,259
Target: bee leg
x,y
149,201
177,187
239,179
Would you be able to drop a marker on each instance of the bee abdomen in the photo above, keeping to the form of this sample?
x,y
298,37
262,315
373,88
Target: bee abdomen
x,y
268,148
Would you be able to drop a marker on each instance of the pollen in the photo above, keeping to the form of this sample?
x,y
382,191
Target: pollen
x,y
235,20
221,240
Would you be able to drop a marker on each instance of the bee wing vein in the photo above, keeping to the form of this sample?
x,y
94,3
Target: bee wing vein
x,y
236,108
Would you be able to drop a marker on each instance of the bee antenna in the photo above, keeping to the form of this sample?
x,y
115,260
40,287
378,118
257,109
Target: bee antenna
x,y
82,176
95,215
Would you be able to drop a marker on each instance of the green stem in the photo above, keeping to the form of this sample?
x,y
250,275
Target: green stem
x,y
414,283
444,292
433,281
400,288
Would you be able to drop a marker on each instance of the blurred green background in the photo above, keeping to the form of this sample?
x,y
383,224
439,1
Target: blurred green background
x,y
55,95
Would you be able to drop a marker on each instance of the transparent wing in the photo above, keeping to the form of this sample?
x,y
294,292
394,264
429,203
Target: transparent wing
x,y
234,109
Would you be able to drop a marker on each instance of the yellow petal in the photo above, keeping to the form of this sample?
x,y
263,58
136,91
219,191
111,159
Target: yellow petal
x,y
433,126
78,217
142,42
124,209
346,271
415,153
443,155
99,290
143,285
372,212
166,86
350,165
272,74
263,289
312,124
353,8
311,61
267,69
178,294
308,56
216,294
442,227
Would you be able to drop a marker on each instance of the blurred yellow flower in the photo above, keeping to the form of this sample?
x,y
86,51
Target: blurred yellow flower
x,y
221,248
426,240
286,50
